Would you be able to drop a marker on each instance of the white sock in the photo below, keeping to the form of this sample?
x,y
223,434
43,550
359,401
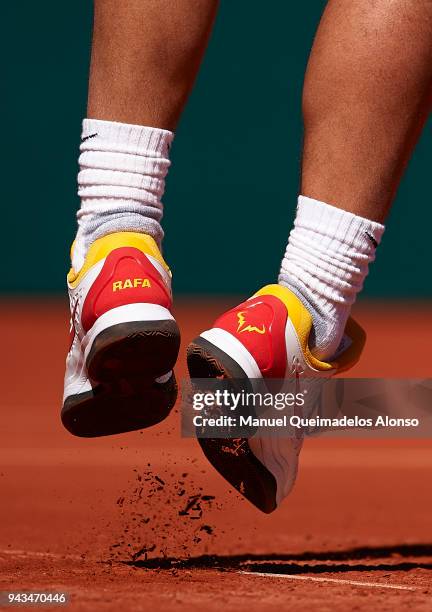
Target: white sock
x,y
325,264
121,181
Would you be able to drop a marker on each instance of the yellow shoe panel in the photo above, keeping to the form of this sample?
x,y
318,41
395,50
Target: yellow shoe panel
x,y
302,321
100,248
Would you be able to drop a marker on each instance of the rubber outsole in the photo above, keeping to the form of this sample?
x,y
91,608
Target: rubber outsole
x,y
123,364
232,457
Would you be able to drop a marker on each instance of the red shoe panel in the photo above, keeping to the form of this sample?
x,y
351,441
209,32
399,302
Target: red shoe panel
x,y
259,324
127,277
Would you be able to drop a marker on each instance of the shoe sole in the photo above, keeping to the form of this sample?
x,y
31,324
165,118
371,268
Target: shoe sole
x,y
124,363
232,458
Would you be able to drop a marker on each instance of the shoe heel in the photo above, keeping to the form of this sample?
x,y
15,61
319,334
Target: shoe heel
x,y
132,350
114,409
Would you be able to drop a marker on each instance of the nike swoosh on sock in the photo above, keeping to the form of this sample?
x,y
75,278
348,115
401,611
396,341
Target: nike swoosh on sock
x,y
88,137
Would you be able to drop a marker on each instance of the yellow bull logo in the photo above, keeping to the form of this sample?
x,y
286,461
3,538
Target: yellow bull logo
x,y
243,326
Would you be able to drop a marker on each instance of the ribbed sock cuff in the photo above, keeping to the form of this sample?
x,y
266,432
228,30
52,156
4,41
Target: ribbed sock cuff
x,y
336,223
121,181
325,264
125,138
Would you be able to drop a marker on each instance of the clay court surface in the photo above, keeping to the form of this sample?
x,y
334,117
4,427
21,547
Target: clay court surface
x,y
140,522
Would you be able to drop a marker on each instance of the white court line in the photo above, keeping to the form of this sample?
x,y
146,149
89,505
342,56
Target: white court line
x,y
336,580
34,553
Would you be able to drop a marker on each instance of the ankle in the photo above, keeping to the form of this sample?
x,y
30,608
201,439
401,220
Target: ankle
x,y
325,264
121,181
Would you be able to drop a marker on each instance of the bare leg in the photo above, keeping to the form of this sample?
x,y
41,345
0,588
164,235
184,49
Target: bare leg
x,y
145,57
366,96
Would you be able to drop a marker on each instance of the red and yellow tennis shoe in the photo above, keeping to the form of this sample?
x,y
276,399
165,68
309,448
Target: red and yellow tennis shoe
x,y
265,337
124,340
